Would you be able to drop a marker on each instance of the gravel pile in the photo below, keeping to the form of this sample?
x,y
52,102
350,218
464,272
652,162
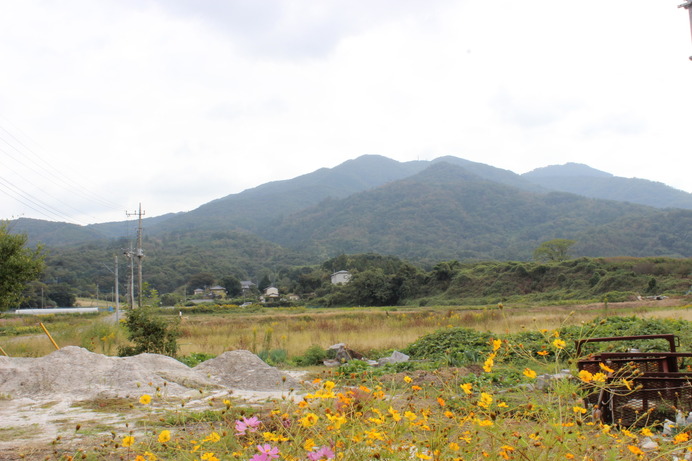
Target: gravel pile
x,y
244,370
75,373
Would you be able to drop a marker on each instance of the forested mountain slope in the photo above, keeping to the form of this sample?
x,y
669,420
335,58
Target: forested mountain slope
x,y
589,182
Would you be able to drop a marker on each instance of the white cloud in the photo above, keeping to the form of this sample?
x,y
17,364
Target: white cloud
x,y
174,103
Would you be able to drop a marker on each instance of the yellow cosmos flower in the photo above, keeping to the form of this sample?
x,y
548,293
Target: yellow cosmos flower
x,y
586,376
145,399
164,436
559,344
606,368
407,379
309,445
309,420
441,401
410,416
543,352
681,437
467,388
489,363
635,449
600,377
579,410
496,343
646,432
213,437
485,401
128,441
529,373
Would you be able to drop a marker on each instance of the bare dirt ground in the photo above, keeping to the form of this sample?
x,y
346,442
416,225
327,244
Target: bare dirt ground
x,y
73,398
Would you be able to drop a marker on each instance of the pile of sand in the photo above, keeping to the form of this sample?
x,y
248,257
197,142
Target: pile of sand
x,y
244,370
75,373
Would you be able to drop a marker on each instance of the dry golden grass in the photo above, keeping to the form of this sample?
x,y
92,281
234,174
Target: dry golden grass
x,y
366,330
361,329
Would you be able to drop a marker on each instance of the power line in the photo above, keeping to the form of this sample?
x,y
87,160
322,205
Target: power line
x,y
19,153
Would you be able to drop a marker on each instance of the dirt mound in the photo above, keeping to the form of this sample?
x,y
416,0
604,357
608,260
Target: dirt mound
x,y
244,370
77,374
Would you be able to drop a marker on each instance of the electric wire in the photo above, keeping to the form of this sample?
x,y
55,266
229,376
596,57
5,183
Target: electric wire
x,y
48,171
19,153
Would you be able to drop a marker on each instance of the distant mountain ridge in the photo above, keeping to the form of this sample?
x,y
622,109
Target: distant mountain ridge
x,y
445,208
589,182
447,212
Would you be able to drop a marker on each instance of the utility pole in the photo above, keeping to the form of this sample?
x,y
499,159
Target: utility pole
x,y
139,252
117,295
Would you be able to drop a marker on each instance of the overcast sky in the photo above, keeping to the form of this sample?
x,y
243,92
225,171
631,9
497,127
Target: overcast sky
x,y
173,103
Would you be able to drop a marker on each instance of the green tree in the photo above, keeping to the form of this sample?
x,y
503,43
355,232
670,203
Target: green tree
x,y
19,265
150,333
264,283
371,288
199,280
555,250
232,286
62,294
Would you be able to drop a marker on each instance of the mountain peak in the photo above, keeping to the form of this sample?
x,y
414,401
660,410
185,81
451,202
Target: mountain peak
x,y
567,170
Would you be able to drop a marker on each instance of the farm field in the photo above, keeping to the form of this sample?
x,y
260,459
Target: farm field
x,y
296,329
480,407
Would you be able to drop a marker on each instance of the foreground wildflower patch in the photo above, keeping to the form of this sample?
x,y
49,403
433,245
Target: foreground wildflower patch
x,y
462,416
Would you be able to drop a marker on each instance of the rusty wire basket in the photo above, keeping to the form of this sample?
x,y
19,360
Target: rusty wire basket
x,y
657,389
653,398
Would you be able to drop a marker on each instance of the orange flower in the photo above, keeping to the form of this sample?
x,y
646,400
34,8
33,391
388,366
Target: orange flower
x,y
635,449
606,368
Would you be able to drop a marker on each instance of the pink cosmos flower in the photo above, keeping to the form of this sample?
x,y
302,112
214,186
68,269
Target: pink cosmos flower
x,y
266,453
323,452
246,424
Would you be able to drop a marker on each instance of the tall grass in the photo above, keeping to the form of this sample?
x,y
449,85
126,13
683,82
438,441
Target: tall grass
x,y
369,331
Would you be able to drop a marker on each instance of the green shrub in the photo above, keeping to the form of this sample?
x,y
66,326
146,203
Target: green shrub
x,y
150,333
274,357
314,355
195,358
444,343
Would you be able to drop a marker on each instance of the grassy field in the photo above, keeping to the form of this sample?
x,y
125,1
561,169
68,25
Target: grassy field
x,y
367,330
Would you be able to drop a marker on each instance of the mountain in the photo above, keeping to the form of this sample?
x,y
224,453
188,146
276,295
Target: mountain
x,y
256,208
425,212
447,212
589,182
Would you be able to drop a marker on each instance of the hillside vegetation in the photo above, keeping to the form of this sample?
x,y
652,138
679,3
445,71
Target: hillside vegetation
x,y
448,209
379,280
